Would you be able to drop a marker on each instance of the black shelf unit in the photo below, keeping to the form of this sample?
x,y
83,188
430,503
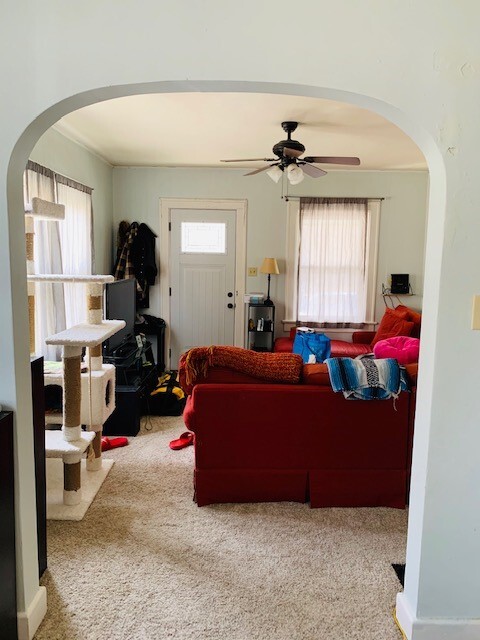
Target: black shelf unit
x,y
260,327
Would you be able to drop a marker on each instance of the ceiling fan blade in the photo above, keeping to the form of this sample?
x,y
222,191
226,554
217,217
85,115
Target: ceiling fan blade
x,y
251,160
252,173
333,160
313,172
292,153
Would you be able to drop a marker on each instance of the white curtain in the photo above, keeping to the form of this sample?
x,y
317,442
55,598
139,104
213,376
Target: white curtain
x,y
49,299
75,239
63,246
332,261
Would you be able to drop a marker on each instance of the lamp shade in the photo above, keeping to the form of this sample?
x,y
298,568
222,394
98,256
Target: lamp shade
x,y
275,173
270,266
295,174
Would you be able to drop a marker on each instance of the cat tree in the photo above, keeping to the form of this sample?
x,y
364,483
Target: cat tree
x,y
87,398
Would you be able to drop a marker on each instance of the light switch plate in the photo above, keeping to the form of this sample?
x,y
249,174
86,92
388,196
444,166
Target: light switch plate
x,y
476,313
252,271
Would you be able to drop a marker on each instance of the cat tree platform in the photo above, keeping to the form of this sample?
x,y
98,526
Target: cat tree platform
x,y
86,335
76,279
45,210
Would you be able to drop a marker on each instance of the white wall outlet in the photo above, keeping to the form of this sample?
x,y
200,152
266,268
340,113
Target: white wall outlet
x,y
476,313
252,271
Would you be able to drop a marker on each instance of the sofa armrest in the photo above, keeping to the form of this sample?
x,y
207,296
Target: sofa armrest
x,y
363,337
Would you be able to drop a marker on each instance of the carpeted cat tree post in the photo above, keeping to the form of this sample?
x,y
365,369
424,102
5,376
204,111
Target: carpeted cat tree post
x,y
95,363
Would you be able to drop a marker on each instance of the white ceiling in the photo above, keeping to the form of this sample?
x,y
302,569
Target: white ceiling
x,y
200,129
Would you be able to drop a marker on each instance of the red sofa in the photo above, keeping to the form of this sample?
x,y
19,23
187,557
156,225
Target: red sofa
x,y
401,321
259,442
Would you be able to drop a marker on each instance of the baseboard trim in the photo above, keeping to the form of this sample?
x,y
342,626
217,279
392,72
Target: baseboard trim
x,y
29,621
434,628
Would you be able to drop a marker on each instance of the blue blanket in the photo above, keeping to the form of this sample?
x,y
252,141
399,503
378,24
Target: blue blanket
x,y
365,378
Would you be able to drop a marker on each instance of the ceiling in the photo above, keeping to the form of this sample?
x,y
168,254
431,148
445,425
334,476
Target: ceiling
x,y
200,129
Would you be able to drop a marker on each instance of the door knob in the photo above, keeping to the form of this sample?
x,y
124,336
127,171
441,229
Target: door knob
x,y
229,294
230,305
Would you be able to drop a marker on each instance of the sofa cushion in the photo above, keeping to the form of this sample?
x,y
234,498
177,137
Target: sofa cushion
x,y
316,375
412,372
393,323
412,316
404,349
283,345
344,349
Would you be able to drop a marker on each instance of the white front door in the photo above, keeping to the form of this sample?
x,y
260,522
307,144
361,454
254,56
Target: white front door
x,y
202,267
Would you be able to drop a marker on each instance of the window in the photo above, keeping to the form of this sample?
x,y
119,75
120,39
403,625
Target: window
x,y
204,237
331,262
63,246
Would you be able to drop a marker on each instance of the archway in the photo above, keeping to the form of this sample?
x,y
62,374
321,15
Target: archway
x,y
16,233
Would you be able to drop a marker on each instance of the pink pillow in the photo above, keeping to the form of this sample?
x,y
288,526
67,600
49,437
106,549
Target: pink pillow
x,y
402,348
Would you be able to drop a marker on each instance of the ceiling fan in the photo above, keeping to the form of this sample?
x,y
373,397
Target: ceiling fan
x,y
288,159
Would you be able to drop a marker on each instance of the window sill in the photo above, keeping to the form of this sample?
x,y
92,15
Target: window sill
x,y
369,326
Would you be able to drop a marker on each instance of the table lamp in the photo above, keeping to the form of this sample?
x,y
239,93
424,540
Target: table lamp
x,y
269,266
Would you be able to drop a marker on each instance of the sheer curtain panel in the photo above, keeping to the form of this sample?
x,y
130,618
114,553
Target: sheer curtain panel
x,y
332,274
39,182
63,246
76,243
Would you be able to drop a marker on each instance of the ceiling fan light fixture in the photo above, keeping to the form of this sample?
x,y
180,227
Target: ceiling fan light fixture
x,y
275,173
295,174
289,161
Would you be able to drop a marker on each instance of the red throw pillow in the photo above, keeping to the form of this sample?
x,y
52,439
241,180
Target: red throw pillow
x,y
412,316
393,323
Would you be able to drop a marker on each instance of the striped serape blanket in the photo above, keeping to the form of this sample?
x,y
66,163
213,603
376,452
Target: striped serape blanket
x,y
365,378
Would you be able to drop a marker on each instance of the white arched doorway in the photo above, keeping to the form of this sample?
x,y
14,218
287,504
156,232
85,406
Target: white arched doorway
x,y
16,235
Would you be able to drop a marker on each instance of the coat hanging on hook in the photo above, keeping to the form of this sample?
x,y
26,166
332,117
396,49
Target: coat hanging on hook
x,y
136,258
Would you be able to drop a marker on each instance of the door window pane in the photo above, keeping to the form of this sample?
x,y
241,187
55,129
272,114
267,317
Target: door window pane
x,y
204,237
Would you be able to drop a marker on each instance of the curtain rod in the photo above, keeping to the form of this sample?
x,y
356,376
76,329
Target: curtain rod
x,y
49,173
288,197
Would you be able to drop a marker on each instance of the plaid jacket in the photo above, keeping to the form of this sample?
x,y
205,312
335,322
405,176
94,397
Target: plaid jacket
x,y
124,268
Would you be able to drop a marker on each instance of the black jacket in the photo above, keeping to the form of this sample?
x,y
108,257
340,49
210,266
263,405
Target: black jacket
x,y
143,258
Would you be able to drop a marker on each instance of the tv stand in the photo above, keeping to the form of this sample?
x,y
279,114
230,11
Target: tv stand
x,y
136,377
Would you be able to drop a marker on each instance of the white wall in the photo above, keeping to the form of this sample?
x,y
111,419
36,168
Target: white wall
x,y
416,64
60,154
137,191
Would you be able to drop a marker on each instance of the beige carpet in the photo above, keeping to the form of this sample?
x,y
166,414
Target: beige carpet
x,y
147,564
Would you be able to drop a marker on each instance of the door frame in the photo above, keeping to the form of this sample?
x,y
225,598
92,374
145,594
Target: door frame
x,y
240,209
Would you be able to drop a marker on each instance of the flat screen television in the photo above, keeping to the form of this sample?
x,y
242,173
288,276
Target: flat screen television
x,y
120,305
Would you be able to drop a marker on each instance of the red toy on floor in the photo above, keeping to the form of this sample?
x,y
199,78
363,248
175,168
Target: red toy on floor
x,y
113,443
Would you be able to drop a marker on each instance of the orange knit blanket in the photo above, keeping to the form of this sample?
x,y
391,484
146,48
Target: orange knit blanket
x,y
273,367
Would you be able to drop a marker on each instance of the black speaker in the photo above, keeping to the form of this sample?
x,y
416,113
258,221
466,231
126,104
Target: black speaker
x,y
400,283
